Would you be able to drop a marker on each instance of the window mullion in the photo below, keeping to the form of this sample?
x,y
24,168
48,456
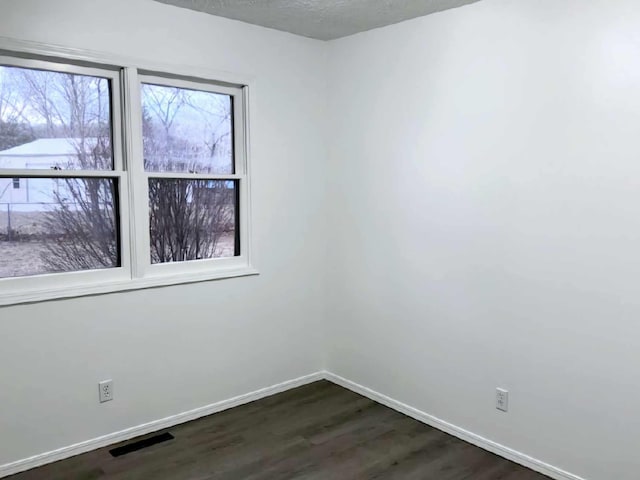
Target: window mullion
x,y
138,196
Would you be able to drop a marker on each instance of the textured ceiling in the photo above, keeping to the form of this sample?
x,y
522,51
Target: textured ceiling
x,y
321,19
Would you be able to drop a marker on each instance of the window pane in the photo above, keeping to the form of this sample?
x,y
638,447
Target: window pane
x,y
192,219
50,225
54,120
186,130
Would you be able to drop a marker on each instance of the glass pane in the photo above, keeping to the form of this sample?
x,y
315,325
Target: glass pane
x,y
192,219
50,225
54,120
186,131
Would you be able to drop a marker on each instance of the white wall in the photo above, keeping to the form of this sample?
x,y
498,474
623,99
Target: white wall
x,y
204,342
485,209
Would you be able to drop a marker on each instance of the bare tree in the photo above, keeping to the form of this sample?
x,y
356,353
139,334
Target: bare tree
x,y
184,129
82,228
14,130
187,217
82,223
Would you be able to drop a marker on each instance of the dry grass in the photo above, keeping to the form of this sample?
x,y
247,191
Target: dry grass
x,y
225,246
19,259
26,223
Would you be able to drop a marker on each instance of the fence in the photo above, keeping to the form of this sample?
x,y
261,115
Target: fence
x,y
20,219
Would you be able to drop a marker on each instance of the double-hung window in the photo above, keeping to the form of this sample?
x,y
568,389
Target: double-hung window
x,y
115,178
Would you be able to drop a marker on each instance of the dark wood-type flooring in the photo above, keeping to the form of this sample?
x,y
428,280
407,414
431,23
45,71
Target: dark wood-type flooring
x,y
318,431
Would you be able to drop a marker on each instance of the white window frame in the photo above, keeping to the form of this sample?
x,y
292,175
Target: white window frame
x,y
136,271
141,179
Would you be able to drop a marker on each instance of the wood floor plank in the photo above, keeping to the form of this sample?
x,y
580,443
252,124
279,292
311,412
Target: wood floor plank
x,y
316,432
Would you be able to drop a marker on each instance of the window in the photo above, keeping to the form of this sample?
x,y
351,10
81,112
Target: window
x,y
57,141
190,170
129,179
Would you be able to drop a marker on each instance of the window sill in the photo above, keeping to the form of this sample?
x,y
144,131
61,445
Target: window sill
x,y
62,292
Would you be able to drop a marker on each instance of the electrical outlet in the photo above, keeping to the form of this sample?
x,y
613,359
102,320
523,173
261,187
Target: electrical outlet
x,y
502,399
106,390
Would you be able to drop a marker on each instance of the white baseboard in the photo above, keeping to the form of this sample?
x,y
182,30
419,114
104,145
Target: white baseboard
x,y
484,443
93,444
99,442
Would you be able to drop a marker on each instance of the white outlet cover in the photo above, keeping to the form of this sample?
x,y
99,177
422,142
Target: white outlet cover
x,y
105,390
502,399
